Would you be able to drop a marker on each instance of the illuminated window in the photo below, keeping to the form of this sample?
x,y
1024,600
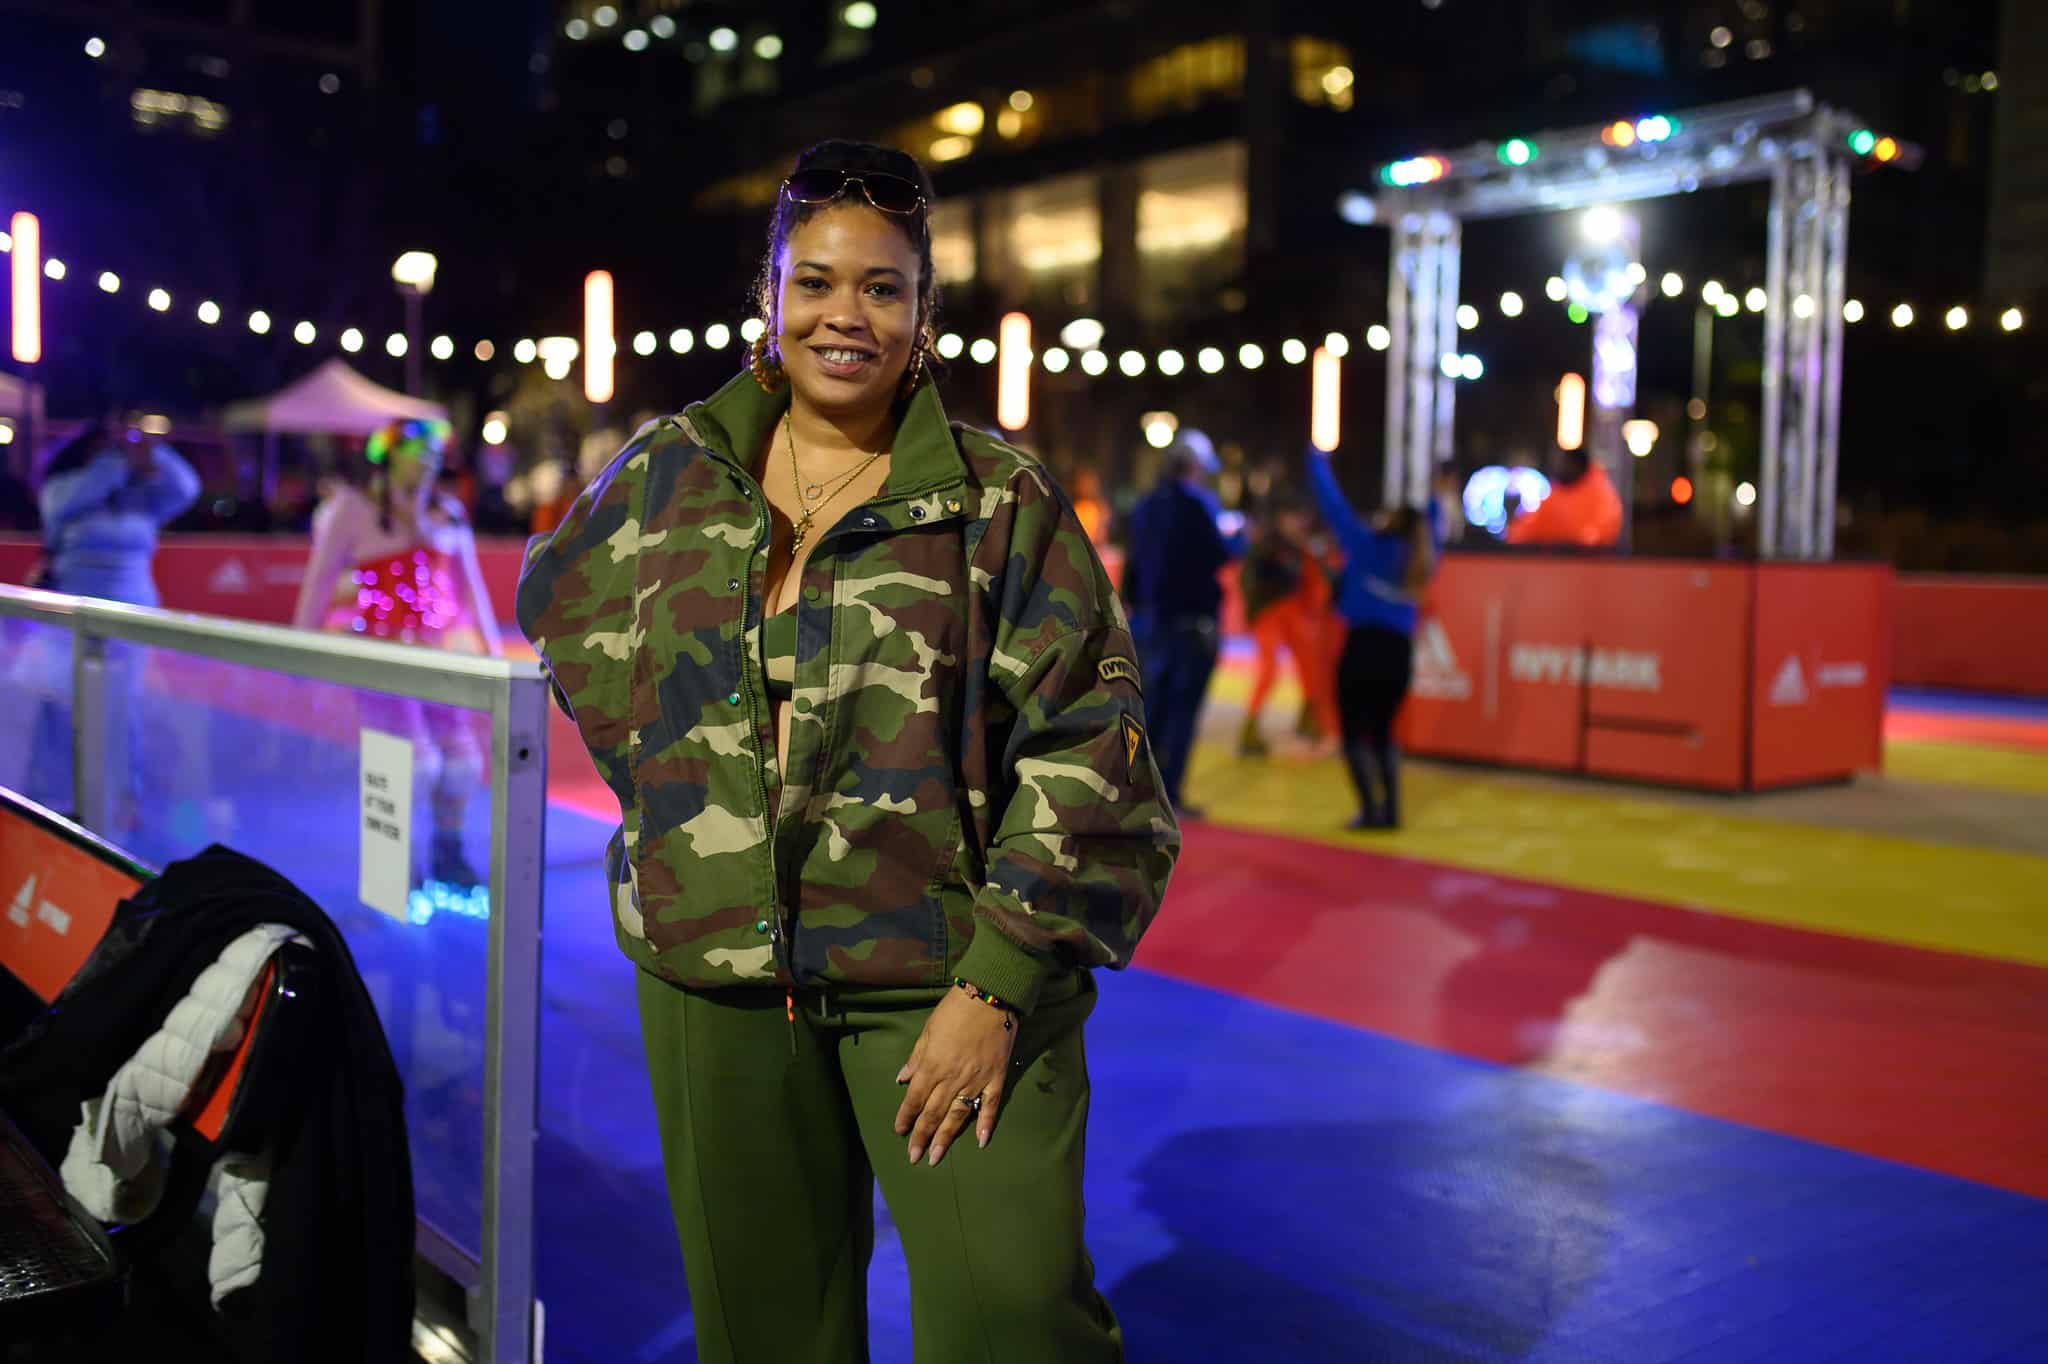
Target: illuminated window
x,y
169,109
750,193
1192,200
1055,226
1186,78
953,241
1191,225
1322,73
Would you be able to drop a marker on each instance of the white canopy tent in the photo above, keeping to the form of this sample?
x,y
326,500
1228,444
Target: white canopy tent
x,y
332,400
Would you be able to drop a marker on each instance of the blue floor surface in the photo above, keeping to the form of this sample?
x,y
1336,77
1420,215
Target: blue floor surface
x,y
1264,1186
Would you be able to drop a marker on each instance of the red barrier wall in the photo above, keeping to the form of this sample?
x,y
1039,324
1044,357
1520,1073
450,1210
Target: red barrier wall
x,y
1723,676
1818,673
1969,632
255,577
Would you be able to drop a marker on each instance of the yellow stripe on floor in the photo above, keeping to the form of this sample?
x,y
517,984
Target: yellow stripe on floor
x,y
1980,901
2022,771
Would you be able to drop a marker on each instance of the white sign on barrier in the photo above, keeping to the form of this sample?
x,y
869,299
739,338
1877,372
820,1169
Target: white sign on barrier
x,y
384,869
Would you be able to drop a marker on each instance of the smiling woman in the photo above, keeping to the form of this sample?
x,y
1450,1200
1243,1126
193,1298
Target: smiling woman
x,y
868,704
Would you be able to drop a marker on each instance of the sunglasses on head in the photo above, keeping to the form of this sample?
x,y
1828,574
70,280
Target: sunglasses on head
x,y
889,193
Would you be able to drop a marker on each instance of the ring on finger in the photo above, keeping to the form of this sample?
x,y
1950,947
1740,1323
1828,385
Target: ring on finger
x,y
970,1102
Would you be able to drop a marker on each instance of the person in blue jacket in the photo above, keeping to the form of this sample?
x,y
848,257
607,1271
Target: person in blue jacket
x,y
104,497
1178,542
1387,563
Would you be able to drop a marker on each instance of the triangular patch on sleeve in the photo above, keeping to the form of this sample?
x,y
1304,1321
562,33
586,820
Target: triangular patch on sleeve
x,y
1134,744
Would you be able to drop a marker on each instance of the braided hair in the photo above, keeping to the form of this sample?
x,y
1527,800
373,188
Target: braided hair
x,y
838,154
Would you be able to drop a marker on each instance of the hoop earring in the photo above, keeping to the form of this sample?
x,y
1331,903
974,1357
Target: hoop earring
x,y
766,368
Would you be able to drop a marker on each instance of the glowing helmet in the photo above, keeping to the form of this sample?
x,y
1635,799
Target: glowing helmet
x,y
422,440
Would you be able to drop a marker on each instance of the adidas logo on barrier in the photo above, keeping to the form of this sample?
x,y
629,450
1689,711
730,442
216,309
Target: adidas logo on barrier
x,y
18,911
1437,674
1788,688
229,577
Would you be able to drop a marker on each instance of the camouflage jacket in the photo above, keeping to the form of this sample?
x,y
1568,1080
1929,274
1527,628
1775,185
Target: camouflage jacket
x,y
968,790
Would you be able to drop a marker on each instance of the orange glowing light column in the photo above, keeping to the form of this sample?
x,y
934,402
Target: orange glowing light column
x,y
1571,412
1013,372
1325,379
28,288
597,336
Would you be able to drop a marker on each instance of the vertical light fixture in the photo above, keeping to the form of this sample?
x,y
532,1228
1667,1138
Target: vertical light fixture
x,y
1571,412
1013,372
597,336
413,273
28,288
1325,377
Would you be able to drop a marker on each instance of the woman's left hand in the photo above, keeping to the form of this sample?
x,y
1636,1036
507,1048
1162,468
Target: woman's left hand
x,y
963,1053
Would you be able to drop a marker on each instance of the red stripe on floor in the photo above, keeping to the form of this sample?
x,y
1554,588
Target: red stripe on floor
x,y
1995,731
1926,1058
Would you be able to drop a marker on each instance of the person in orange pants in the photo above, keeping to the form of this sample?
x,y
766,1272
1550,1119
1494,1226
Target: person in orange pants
x,y
1287,603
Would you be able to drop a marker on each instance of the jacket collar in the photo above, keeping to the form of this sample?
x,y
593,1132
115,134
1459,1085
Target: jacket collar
x,y
924,460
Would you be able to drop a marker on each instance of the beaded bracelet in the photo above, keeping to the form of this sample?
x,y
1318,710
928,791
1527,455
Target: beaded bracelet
x,y
1008,1010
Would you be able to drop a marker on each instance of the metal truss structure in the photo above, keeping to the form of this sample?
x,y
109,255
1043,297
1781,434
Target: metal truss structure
x,y
1803,148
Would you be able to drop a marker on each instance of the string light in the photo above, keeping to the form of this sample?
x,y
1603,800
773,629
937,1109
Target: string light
x,y
1209,360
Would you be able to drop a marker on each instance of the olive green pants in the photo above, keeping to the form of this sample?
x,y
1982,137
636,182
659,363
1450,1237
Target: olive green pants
x,y
773,1133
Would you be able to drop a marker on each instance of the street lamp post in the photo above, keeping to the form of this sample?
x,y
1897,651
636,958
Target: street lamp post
x,y
413,273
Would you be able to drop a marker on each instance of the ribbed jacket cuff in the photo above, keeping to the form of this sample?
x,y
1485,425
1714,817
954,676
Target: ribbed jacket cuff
x,y
995,964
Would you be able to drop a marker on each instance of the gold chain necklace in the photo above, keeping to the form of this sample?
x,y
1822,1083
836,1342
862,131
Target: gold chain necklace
x,y
817,494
